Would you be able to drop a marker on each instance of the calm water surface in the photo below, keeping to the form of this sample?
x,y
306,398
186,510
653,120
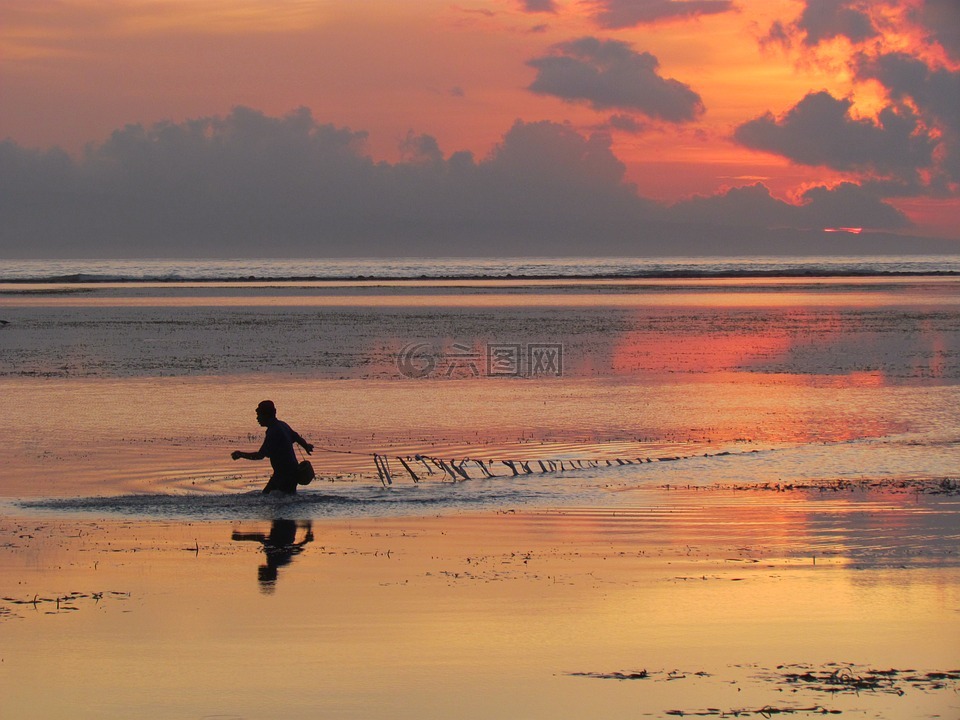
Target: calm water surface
x,y
802,437
139,389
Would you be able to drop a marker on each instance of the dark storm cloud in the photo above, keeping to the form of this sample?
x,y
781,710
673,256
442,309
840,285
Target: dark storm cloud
x,y
934,92
254,184
778,34
750,205
629,13
823,20
609,74
941,19
539,6
914,144
820,131
846,205
627,123
420,149
250,185
826,19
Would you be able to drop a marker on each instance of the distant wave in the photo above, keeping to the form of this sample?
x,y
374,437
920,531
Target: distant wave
x,y
174,271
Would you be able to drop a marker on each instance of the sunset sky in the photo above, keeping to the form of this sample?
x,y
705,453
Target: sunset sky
x,y
218,127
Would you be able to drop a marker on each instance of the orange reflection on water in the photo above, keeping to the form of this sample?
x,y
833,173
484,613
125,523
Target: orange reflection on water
x,y
694,353
724,584
707,342
865,378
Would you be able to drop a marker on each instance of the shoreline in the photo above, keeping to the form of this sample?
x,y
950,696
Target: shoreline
x,y
363,494
473,269
804,274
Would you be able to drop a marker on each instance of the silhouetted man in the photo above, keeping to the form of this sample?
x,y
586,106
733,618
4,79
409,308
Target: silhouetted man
x,y
278,446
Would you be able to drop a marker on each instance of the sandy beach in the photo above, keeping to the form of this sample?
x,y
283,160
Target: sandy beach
x,y
757,513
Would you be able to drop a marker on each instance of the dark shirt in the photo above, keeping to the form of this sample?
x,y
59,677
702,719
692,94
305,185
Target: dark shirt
x,y
278,446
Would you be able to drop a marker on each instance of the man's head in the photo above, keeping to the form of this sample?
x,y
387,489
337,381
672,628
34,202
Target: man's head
x,y
266,411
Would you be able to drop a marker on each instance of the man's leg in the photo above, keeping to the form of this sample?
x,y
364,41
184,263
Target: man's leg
x,y
278,483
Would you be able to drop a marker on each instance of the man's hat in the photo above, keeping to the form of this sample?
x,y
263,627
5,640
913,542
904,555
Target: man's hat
x,y
267,407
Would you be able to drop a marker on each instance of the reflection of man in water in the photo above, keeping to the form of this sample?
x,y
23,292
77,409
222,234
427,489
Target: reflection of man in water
x,y
279,546
278,446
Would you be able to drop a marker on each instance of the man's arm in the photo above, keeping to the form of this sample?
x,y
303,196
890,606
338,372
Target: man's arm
x,y
237,454
302,443
258,455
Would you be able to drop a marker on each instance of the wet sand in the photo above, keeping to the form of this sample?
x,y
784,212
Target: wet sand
x,y
795,552
700,602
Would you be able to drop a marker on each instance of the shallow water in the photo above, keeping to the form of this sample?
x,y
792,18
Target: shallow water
x,y
172,437
766,483
112,395
518,613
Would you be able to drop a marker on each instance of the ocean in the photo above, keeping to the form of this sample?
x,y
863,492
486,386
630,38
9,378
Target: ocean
x,y
740,370
546,488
